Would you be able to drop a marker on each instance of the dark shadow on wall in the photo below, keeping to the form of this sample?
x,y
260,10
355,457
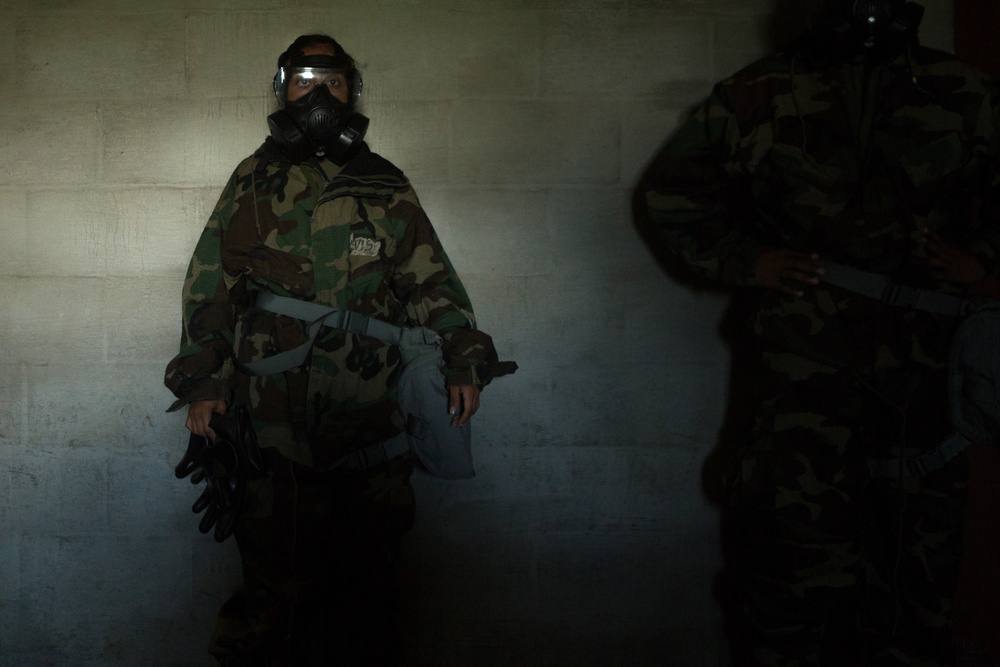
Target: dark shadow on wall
x,y
782,27
723,459
787,21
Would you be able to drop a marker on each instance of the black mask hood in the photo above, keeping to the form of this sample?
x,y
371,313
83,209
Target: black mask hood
x,y
862,31
317,124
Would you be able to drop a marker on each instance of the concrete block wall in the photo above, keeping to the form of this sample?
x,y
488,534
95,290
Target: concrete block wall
x,y
586,538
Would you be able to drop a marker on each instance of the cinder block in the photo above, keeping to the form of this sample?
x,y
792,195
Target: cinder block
x,y
593,478
11,405
663,485
49,320
28,627
437,54
10,549
50,494
51,144
576,304
207,197
183,142
8,26
112,231
514,412
70,56
233,53
80,484
496,232
646,127
144,496
496,6
25,478
67,9
143,320
708,7
656,319
603,57
14,255
740,41
415,136
592,234
534,143
507,319
65,410
689,402
105,610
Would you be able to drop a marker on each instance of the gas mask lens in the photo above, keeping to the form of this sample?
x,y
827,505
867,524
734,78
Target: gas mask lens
x,y
300,76
297,82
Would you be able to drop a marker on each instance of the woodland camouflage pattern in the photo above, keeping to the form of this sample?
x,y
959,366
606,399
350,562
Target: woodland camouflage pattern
x,y
826,548
837,567
353,238
779,156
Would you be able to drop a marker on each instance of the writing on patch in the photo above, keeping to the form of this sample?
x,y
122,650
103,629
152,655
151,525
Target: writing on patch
x,y
365,247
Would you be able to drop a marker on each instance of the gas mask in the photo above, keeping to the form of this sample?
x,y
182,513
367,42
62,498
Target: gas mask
x,y
864,30
315,121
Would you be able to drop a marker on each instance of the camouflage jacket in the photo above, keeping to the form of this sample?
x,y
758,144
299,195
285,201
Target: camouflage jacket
x,y
846,161
352,237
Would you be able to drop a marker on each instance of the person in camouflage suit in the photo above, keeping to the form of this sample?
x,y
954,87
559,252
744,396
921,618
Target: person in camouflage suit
x,y
320,535
880,155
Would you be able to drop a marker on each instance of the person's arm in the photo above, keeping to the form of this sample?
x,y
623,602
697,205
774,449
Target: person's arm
x,y
202,374
691,192
426,282
697,199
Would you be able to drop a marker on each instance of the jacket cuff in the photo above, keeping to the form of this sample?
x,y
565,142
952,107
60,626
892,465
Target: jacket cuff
x,y
207,390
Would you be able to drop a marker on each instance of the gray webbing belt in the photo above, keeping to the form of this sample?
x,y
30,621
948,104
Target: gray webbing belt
x,y
318,316
351,321
919,466
881,288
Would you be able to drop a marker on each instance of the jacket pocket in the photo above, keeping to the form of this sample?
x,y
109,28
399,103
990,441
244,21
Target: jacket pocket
x,y
934,161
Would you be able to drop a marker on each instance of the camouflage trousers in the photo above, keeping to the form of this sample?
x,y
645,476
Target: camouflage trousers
x,y
319,554
835,567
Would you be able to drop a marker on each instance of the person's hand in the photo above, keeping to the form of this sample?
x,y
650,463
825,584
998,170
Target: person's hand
x,y
200,414
951,262
463,401
786,270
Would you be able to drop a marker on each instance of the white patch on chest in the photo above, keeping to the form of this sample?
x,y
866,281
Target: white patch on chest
x,y
365,247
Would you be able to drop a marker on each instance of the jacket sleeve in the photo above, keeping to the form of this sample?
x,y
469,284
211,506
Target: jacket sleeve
x,y
425,281
203,368
693,192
